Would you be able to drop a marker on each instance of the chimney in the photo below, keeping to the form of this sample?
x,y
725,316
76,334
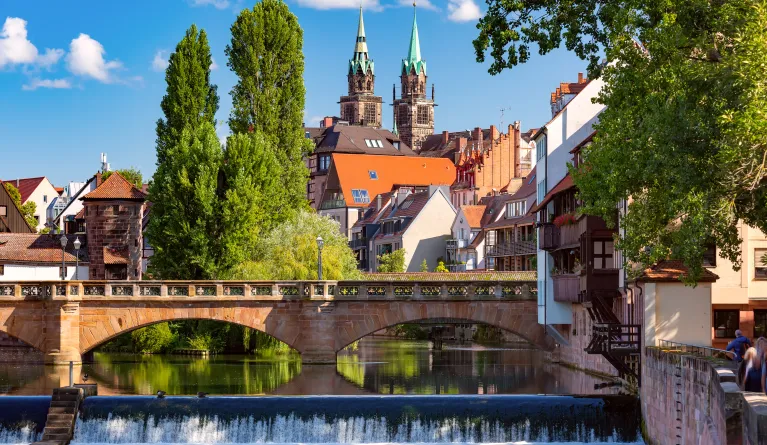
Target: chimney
x,y
517,152
580,78
379,202
478,138
445,137
327,121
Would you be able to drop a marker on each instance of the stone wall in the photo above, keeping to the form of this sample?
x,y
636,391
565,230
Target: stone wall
x,y
683,401
579,336
115,225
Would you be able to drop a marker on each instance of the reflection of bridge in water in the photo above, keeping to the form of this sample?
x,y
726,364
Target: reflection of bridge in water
x,y
65,320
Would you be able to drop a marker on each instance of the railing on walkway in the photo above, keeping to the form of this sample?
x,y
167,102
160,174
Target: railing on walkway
x,y
514,248
703,351
271,290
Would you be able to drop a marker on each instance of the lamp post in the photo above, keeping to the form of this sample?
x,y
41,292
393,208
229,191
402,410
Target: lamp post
x,y
77,244
63,241
320,243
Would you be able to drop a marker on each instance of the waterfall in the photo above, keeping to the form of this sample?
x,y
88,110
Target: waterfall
x,y
19,435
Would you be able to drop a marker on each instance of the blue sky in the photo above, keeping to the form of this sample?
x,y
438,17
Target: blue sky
x,y
78,79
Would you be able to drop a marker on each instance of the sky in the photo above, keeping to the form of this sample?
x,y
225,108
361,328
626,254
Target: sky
x,y
78,79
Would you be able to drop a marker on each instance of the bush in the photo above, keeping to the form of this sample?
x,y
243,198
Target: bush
x,y
441,267
393,262
153,339
206,342
424,266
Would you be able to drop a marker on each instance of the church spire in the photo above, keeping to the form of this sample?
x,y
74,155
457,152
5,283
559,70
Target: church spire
x,y
414,60
361,60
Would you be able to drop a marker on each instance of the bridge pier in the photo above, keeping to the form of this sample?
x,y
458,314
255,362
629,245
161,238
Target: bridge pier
x,y
327,357
62,333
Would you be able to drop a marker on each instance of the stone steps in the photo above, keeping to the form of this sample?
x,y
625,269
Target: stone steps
x,y
62,414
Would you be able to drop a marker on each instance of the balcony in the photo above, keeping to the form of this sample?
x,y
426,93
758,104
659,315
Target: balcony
x,y
548,237
457,243
516,248
333,204
569,235
358,243
566,288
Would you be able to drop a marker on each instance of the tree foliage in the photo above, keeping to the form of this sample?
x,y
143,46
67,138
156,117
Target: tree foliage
x,y
289,252
27,209
153,339
683,138
190,98
393,262
441,267
266,55
424,266
132,174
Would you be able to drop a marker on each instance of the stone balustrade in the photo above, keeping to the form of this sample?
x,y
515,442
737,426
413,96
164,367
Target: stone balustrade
x,y
268,290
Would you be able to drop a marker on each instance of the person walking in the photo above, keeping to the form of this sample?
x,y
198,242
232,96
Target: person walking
x,y
739,346
752,379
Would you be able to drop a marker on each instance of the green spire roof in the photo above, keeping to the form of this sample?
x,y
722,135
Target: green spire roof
x,y
414,52
361,62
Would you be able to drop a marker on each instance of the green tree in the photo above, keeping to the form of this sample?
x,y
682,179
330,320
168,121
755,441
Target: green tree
x,y
190,99
683,138
132,174
441,267
266,55
393,262
289,252
27,209
153,339
424,266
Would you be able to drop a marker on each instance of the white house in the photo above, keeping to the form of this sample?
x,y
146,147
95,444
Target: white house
x,y
73,204
59,203
570,126
31,256
466,249
38,190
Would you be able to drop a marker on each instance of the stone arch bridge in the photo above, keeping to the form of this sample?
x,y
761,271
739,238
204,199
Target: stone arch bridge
x,y
65,320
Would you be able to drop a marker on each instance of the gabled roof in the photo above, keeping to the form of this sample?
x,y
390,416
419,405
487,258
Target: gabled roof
x,y
473,215
116,255
115,187
351,139
353,172
408,210
26,186
372,212
6,225
671,271
35,248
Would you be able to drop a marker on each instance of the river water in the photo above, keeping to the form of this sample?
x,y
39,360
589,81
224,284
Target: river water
x,y
385,391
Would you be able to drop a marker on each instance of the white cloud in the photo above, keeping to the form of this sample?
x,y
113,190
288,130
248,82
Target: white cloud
x,y
160,61
372,5
463,11
213,64
47,83
218,4
86,58
16,49
425,4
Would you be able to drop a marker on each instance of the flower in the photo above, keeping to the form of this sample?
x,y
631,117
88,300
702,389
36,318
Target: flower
x,y
565,220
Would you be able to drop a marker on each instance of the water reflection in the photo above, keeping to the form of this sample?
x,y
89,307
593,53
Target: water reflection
x,y
382,366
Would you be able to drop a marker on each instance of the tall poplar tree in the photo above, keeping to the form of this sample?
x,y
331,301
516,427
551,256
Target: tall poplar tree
x,y
266,55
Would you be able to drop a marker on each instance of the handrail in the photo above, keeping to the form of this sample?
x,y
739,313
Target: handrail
x,y
704,351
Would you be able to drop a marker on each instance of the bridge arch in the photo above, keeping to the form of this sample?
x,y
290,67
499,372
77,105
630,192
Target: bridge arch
x,y
23,322
518,317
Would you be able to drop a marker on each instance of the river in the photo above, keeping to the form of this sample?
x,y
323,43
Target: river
x,y
384,391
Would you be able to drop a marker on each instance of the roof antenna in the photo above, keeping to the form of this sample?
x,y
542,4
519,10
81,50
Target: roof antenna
x,y
502,111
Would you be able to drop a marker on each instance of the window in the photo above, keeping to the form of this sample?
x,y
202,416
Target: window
x,y
760,264
540,147
369,143
360,196
370,114
2,269
726,322
516,209
406,204
115,209
709,256
423,115
760,323
380,143
45,198
373,174
323,162
603,255
396,144
541,191
116,272
62,271
3,210
307,135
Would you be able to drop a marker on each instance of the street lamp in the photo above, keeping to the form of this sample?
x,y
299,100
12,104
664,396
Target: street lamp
x,y
77,244
63,241
320,243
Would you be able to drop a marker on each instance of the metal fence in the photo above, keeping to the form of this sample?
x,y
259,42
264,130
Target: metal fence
x,y
703,351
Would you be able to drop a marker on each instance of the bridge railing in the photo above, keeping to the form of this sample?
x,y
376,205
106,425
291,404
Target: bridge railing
x,y
269,290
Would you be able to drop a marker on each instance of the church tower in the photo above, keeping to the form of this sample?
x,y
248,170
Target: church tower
x,y
361,106
413,111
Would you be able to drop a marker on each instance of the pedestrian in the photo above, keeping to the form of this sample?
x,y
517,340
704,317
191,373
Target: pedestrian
x,y
752,380
738,346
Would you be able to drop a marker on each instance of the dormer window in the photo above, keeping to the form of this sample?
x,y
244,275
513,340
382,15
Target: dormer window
x,y
360,196
374,143
516,209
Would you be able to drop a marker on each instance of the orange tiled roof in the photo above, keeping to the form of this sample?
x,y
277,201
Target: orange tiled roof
x,y
36,248
473,215
116,255
672,270
116,187
353,173
26,186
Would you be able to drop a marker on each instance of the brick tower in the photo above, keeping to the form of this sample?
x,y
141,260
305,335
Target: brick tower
x,y
113,214
413,111
361,106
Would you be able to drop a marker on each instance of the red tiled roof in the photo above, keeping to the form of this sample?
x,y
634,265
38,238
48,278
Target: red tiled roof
x,y
565,184
116,255
473,215
353,173
26,186
80,214
116,187
673,270
35,248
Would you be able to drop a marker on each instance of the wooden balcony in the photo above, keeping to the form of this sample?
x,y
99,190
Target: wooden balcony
x,y
570,235
516,248
548,237
566,288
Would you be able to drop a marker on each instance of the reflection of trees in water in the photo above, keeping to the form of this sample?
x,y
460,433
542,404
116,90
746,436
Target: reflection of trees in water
x,y
184,375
